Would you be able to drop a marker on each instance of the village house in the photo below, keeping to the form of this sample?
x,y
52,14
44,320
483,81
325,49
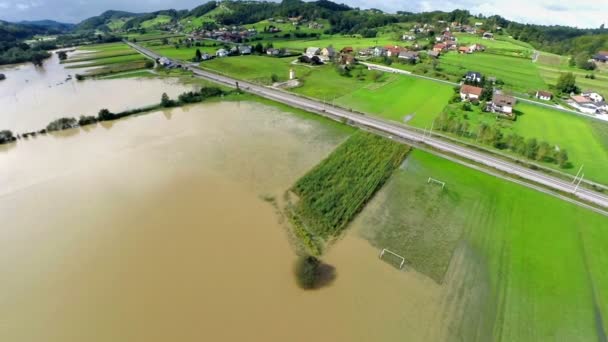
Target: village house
x,y
473,77
328,52
273,52
441,47
464,49
411,56
433,54
502,104
392,51
379,51
477,47
487,35
408,37
346,59
469,92
244,49
366,52
221,53
584,104
312,51
544,95
593,96
347,49
601,57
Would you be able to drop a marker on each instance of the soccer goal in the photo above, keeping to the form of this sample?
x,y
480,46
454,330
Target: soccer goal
x,y
435,181
384,251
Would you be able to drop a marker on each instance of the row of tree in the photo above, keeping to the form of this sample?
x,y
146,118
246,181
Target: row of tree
x,y
529,148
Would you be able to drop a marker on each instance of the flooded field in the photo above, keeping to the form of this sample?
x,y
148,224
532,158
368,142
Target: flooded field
x,y
31,97
154,228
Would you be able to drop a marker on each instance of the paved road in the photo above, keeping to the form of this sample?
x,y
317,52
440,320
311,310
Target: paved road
x,y
395,130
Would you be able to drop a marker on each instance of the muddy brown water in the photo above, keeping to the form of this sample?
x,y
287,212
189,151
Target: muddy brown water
x,y
31,97
153,228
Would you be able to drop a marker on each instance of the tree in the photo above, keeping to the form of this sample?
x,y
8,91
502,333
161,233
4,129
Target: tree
x,y
165,41
165,101
274,78
566,83
62,55
105,115
531,148
149,64
582,61
488,91
562,158
198,55
544,152
307,271
2,77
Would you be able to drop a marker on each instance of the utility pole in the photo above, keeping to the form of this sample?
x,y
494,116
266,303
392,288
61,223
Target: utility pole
x,y
579,182
578,173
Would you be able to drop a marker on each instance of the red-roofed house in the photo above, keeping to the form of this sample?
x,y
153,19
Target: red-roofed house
x,y
392,51
469,92
439,47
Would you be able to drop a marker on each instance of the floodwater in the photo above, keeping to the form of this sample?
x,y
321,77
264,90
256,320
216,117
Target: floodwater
x,y
31,97
153,228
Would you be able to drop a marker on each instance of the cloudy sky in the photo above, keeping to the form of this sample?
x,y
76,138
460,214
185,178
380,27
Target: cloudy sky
x,y
581,13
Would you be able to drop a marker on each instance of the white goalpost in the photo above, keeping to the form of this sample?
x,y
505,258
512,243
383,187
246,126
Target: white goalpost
x,y
395,254
435,181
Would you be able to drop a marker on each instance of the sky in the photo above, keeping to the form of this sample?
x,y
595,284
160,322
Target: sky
x,y
579,13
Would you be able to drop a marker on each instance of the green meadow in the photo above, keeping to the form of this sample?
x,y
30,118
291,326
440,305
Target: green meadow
x,y
516,264
159,20
551,66
518,74
410,99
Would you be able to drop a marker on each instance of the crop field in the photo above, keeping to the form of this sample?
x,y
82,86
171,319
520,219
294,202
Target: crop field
x,y
108,59
519,74
500,44
183,53
333,192
516,264
253,68
418,100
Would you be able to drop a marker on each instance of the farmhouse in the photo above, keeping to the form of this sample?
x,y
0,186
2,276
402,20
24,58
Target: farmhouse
x,y
329,52
488,35
366,52
244,49
312,51
440,47
408,37
221,53
544,95
584,104
347,49
473,77
346,59
464,49
379,51
392,51
469,92
477,47
502,104
409,56
593,96
433,54
273,52
601,56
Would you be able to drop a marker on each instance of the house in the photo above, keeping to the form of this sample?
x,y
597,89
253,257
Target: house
x,y
205,56
464,49
273,52
584,104
347,49
392,51
328,52
450,45
593,96
488,35
409,56
221,53
244,49
469,92
544,95
433,54
408,37
473,77
346,59
366,52
439,47
502,104
312,51
601,56
477,47
379,51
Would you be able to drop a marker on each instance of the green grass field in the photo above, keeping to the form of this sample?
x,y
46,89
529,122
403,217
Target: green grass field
x,y
517,264
518,74
158,21
253,68
501,44
551,66
418,99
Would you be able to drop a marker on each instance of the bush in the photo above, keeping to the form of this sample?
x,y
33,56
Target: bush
x,y
86,120
274,78
61,124
307,271
149,64
6,136
105,115
2,77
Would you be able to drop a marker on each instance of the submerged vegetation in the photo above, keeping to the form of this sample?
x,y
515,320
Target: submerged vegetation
x,y
311,273
333,192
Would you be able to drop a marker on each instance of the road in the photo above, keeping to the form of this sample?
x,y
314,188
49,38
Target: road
x,y
384,68
393,129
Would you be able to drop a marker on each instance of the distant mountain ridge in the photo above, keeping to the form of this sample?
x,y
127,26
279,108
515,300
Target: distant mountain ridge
x,y
49,24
